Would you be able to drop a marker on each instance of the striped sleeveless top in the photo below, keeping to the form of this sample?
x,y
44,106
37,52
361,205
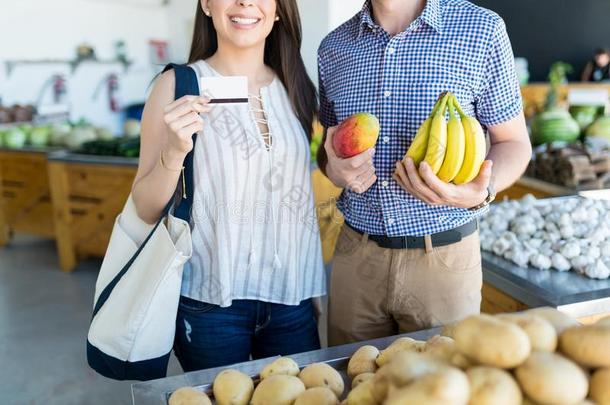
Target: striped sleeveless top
x,y
254,226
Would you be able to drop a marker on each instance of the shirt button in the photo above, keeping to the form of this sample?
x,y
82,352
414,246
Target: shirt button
x,y
387,93
391,51
385,183
386,139
391,221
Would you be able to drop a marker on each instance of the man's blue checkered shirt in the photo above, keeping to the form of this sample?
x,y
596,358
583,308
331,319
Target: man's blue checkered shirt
x,y
453,46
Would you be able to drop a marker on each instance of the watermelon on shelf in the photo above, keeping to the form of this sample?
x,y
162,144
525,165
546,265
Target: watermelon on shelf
x,y
555,124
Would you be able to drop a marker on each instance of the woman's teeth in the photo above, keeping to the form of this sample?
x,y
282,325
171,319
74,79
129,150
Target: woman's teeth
x,y
244,21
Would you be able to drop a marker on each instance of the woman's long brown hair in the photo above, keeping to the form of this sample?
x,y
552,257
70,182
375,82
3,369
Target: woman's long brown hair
x,y
282,54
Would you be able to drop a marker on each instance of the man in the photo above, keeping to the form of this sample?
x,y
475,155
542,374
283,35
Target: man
x,y
408,256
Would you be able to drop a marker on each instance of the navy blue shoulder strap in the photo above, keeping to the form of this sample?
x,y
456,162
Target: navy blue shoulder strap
x,y
186,84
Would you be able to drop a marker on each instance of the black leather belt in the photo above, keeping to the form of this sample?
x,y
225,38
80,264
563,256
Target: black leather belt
x,y
417,242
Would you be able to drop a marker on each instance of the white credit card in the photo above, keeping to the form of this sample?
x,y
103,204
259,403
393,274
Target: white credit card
x,y
225,90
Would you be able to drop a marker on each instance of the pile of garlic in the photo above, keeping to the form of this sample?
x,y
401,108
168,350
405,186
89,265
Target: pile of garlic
x,y
562,234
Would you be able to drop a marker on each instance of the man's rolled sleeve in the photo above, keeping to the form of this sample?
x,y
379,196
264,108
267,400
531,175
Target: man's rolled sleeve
x,y
500,100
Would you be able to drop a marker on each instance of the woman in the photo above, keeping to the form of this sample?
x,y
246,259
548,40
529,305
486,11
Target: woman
x,y
598,68
256,265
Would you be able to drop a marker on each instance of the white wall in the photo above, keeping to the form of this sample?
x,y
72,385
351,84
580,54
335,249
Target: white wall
x,y
39,29
35,29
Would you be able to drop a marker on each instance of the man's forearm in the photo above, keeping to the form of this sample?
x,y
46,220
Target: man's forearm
x,y
510,160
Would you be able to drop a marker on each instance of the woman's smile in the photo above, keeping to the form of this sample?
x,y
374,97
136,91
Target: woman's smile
x,y
243,22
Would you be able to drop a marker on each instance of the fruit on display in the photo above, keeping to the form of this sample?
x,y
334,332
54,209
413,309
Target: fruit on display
x,y
59,132
491,341
189,396
232,387
550,378
600,128
584,115
79,135
283,365
400,344
40,136
322,375
317,396
363,361
560,234
15,138
360,378
356,134
277,390
454,150
555,124
132,128
492,386
577,369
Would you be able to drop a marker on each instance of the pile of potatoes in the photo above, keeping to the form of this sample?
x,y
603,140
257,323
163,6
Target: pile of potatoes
x,y
536,357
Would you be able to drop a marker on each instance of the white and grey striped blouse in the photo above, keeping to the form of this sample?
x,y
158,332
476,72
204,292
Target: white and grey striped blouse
x,y
255,231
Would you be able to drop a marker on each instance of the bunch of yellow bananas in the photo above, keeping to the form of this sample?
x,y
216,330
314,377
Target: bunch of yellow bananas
x,y
454,150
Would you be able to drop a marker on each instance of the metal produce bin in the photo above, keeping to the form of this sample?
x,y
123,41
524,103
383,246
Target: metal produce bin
x,y
158,391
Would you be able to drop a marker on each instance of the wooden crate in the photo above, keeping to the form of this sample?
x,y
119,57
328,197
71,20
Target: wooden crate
x,y
538,188
25,202
86,199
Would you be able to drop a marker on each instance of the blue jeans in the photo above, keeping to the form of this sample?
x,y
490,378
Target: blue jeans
x,y
210,336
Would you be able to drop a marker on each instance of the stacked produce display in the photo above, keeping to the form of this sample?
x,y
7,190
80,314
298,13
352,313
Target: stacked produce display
x,y
577,165
562,234
455,150
540,356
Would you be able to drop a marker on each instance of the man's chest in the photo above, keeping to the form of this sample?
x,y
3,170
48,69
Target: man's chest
x,y
400,79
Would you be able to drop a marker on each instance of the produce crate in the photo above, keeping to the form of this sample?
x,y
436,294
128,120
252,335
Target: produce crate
x,y
534,94
329,218
88,192
538,188
25,201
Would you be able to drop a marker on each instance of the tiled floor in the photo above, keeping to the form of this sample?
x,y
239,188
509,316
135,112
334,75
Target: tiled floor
x,y
44,316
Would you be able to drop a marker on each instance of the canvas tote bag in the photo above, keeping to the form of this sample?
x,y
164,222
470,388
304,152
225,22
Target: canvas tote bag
x,y
132,330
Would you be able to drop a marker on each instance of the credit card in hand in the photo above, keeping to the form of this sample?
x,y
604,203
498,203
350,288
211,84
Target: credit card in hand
x,y
225,89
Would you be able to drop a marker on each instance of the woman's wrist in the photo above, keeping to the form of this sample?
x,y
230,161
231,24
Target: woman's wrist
x,y
171,160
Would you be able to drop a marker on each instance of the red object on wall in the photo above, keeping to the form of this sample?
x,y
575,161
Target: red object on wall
x,y
158,51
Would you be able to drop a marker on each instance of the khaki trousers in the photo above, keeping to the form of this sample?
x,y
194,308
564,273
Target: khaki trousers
x,y
377,292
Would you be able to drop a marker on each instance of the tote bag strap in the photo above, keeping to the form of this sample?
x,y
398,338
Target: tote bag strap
x,y
186,84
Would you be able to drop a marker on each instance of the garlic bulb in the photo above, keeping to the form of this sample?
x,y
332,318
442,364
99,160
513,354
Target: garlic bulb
x,y
560,263
597,270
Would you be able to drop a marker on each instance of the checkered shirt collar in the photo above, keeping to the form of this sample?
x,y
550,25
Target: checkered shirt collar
x,y
432,15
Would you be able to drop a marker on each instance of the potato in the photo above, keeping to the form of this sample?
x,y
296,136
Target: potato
x,y
447,386
448,330
492,386
587,345
460,361
360,378
599,390
362,394
322,375
441,347
551,379
363,361
317,396
603,321
189,396
283,365
491,341
403,344
559,320
541,332
404,368
279,389
232,387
